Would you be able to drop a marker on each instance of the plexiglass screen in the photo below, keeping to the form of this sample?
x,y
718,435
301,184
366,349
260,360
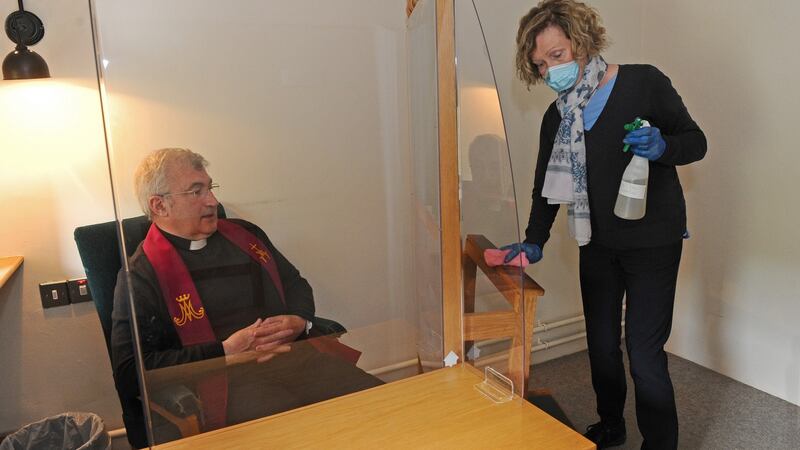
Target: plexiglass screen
x,y
494,305
424,144
278,195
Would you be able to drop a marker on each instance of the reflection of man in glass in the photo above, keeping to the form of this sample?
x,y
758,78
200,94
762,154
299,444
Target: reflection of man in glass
x,y
205,287
488,196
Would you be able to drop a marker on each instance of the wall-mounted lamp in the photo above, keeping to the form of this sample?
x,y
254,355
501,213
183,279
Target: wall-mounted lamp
x,y
24,28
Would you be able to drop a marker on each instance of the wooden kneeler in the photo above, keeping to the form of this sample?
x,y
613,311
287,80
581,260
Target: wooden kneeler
x,y
519,290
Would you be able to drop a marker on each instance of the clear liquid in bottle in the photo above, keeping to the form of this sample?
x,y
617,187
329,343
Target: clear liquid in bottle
x,y
632,197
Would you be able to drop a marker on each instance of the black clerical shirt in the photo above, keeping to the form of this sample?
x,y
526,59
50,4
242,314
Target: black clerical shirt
x,y
235,292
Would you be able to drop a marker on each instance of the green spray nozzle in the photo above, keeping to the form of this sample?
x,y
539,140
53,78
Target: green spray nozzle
x,y
635,125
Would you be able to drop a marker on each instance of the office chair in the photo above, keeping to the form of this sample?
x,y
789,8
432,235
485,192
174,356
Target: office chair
x,y
99,249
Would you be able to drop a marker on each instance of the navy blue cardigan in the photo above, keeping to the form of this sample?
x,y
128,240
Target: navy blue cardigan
x,y
640,91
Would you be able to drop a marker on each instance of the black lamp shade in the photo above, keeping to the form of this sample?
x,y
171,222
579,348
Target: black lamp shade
x,y
23,64
24,28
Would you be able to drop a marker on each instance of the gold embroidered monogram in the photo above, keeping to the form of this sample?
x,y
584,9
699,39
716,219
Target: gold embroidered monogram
x,y
187,311
262,254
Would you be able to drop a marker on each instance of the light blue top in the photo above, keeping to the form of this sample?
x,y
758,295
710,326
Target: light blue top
x,y
596,104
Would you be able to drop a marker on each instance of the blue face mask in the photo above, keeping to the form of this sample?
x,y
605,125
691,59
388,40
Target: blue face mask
x,y
563,76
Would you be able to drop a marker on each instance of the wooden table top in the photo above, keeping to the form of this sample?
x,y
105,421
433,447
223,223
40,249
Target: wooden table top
x,y
440,409
8,265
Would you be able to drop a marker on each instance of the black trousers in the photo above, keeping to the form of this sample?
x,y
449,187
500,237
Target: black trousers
x,y
647,278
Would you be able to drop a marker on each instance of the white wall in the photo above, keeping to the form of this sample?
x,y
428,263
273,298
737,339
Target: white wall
x,y
53,178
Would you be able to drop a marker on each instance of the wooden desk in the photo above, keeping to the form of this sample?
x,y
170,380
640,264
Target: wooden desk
x,y
440,409
8,265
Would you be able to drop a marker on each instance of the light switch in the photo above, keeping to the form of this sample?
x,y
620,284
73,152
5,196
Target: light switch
x,y
54,293
78,290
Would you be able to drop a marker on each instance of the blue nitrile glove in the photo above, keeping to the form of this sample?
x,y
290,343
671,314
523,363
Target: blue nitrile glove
x,y
532,251
646,142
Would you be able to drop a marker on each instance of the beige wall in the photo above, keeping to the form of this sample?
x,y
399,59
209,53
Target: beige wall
x,y
737,303
53,177
738,300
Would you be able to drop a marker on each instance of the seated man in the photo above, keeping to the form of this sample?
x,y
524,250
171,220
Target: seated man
x,y
205,287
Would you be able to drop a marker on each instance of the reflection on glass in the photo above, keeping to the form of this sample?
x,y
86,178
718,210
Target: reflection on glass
x,y
425,155
489,189
494,305
315,215
226,321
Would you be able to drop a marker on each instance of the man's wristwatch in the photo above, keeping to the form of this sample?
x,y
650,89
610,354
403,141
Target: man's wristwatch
x,y
308,326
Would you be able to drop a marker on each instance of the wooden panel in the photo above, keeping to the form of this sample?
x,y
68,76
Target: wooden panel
x,y
8,265
448,179
490,325
440,409
530,314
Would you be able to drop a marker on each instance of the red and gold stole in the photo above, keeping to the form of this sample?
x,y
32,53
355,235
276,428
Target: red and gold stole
x,y
186,307
189,316
183,302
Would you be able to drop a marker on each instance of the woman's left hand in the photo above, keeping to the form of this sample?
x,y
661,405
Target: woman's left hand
x,y
646,142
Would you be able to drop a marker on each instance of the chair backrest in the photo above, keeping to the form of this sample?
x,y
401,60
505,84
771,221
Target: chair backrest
x,y
100,252
98,246
99,249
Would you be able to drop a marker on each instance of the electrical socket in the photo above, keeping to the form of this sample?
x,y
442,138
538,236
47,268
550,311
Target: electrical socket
x,y
54,293
78,290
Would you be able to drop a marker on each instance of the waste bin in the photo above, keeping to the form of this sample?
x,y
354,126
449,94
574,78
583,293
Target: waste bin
x,y
72,430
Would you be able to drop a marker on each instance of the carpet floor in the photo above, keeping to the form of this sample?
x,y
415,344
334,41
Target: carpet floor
x,y
714,411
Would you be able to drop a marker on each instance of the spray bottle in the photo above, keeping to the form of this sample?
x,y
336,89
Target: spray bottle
x,y
632,198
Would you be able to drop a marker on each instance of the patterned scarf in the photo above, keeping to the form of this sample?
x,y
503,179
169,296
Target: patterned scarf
x,y
565,180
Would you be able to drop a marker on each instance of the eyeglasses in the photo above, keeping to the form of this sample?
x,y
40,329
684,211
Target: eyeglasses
x,y
198,193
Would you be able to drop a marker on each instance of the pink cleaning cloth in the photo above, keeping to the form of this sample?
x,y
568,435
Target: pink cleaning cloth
x,y
495,257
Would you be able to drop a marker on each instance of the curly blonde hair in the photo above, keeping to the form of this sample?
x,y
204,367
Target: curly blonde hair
x,y
580,23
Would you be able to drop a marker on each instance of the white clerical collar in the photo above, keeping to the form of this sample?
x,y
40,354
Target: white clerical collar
x,y
197,245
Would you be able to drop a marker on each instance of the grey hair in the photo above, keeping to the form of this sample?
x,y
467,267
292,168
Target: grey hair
x,y
151,175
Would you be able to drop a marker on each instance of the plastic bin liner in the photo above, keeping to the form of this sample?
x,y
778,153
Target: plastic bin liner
x,y
72,430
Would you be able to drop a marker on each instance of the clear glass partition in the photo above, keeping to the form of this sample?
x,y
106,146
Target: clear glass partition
x,y
422,76
305,210
494,305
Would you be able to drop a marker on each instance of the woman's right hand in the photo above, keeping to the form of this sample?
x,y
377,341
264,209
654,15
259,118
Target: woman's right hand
x,y
532,251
